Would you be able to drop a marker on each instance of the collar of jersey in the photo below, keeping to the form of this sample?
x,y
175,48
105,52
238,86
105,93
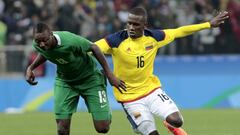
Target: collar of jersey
x,y
58,39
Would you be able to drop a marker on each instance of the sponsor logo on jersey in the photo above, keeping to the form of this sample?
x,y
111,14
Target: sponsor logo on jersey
x,y
129,49
102,106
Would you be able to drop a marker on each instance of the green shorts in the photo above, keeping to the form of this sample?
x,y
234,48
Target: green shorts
x,y
66,99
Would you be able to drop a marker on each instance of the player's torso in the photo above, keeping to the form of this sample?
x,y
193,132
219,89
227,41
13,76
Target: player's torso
x,y
61,55
133,60
71,64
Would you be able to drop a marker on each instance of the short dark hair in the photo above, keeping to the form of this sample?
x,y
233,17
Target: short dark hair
x,y
139,11
41,27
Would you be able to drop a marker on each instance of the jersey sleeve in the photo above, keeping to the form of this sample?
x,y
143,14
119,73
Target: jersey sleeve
x,y
103,45
168,38
171,34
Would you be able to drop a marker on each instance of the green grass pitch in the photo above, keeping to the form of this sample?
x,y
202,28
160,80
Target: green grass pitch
x,y
197,122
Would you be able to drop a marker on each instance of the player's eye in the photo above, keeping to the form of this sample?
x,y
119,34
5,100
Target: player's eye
x,y
46,39
133,24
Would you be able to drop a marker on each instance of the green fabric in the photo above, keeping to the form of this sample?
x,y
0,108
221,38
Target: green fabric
x,y
67,97
74,64
3,30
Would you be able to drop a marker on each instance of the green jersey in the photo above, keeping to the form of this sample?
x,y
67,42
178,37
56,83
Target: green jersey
x,y
74,64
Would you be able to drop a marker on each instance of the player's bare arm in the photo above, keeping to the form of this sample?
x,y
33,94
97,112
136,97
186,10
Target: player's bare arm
x,y
29,75
119,84
219,19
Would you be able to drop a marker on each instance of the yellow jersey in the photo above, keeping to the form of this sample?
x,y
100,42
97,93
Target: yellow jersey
x,y
133,59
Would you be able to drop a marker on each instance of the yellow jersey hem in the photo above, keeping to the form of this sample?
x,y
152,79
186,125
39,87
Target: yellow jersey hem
x,y
127,101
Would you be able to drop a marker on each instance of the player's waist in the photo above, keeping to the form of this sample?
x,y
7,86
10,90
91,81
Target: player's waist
x,y
124,97
79,78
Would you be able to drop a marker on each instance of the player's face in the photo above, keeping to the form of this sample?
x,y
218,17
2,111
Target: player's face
x,y
45,40
135,25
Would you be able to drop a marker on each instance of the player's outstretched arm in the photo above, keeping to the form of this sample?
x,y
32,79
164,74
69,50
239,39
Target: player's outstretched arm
x,y
29,75
190,29
119,84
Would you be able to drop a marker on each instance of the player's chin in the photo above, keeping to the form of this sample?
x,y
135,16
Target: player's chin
x,y
132,35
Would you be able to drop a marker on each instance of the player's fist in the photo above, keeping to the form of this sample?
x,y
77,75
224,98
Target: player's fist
x,y
30,77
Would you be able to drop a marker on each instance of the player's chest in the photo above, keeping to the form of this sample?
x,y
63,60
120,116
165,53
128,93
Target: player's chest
x,y
135,54
133,49
62,57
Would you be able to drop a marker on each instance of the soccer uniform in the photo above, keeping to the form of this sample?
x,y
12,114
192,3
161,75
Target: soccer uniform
x,y
133,62
77,75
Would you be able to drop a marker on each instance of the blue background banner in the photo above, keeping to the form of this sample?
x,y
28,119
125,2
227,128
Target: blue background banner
x,y
191,81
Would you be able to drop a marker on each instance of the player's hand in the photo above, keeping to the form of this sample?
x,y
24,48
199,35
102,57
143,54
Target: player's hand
x,y
30,77
219,19
114,81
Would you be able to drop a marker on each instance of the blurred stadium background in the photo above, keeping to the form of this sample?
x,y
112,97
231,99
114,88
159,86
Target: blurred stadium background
x,y
199,72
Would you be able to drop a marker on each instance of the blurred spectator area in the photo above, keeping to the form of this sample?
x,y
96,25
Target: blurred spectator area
x,y
94,19
15,58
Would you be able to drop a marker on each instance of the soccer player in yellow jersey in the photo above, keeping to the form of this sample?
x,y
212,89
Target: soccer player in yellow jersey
x,y
133,51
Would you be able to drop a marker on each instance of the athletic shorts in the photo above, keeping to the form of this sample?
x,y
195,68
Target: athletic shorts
x,y
157,103
66,99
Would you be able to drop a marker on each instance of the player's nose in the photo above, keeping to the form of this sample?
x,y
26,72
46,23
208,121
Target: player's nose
x,y
130,26
41,44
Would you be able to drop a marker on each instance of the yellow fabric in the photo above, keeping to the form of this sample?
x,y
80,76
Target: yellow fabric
x,y
188,29
133,61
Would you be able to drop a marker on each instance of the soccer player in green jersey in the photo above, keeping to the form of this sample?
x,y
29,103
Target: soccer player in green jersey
x,y
77,75
133,51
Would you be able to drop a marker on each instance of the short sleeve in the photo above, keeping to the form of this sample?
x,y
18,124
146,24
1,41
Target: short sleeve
x,y
104,47
169,37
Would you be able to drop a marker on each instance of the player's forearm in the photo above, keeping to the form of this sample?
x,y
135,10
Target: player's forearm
x,y
38,61
101,59
190,29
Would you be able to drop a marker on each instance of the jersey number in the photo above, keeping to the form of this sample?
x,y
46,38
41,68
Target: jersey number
x,y
163,97
140,61
102,96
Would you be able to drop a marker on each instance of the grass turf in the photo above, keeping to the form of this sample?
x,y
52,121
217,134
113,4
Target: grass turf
x,y
197,122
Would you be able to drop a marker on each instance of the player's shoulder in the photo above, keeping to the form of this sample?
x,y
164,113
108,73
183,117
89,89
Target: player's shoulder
x,y
63,33
115,39
68,36
157,34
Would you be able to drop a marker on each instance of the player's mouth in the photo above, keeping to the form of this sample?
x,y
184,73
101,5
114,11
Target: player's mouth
x,y
131,33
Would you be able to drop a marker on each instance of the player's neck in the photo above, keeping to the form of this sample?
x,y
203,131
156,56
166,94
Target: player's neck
x,y
137,38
